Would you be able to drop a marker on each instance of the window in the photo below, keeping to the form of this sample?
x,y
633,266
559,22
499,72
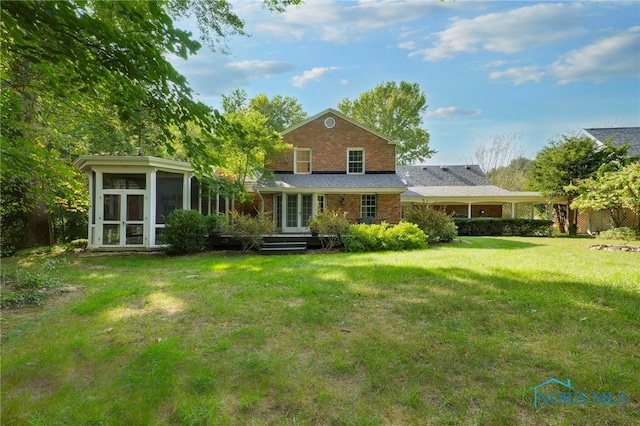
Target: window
x,y
320,205
368,205
124,181
302,161
169,194
355,161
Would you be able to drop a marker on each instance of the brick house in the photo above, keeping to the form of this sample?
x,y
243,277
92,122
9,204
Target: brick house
x,y
337,164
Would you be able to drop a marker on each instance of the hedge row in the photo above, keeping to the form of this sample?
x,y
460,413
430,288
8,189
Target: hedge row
x,y
503,226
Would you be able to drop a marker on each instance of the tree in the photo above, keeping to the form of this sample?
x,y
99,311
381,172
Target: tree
x,y
106,56
395,111
514,176
613,191
281,112
561,165
503,162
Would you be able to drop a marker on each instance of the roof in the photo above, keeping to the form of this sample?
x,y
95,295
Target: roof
x,y
342,116
443,175
334,182
618,137
89,162
470,194
457,184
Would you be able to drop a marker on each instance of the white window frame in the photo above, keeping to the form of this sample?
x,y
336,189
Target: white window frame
x,y
349,151
295,161
364,206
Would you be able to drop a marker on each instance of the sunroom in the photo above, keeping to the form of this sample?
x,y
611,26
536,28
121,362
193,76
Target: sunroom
x,y
131,197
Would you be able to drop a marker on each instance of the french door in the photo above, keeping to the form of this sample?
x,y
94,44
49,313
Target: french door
x,y
297,210
123,218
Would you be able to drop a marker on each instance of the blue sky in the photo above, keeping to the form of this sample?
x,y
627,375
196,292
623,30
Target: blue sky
x,y
536,70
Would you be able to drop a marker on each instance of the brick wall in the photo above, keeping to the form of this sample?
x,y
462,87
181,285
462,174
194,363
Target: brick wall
x,y
329,147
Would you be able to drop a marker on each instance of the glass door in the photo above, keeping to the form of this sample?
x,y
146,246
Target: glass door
x,y
123,219
298,209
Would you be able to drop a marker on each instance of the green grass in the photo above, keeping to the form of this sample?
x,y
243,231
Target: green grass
x,y
454,334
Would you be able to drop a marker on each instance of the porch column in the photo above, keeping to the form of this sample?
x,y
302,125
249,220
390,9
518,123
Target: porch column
x,y
151,223
469,210
513,210
92,206
186,191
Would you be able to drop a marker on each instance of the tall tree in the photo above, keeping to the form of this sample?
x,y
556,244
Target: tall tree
x,y
282,112
395,111
560,166
107,56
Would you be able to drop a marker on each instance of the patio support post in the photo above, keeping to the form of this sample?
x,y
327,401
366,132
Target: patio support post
x,y
513,210
469,210
152,207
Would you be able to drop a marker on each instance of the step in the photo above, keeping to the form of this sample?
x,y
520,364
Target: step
x,y
283,247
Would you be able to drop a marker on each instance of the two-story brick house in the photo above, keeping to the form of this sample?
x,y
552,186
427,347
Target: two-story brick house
x,y
337,164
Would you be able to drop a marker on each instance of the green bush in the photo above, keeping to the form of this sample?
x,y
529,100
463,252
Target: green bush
x,y
435,223
623,233
330,226
503,226
404,236
216,224
250,230
185,231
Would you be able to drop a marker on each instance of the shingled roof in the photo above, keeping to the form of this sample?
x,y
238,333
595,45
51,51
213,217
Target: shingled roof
x,y
443,175
618,137
460,183
331,182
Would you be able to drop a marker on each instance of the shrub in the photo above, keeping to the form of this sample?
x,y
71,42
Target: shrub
x,y
330,225
502,226
216,224
404,236
435,223
623,233
250,230
185,231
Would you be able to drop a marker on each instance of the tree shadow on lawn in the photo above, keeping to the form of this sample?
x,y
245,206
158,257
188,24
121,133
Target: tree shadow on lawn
x,y
384,343
493,333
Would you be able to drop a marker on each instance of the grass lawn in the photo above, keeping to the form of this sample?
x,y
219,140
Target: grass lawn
x,y
454,334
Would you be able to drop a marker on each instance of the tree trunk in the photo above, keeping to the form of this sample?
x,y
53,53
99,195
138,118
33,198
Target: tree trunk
x,y
38,230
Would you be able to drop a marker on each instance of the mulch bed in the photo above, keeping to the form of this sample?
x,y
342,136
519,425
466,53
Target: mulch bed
x,y
622,247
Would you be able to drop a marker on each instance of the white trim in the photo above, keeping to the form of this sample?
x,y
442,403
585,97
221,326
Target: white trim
x,y
342,116
295,161
364,168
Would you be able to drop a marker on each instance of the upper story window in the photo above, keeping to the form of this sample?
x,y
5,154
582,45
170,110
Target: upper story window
x,y
302,160
355,161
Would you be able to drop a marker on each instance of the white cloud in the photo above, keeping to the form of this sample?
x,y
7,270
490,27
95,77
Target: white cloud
x,y
313,74
452,111
260,69
340,22
617,55
519,75
506,32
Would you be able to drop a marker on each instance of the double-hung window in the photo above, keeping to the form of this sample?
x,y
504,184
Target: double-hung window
x,y
302,160
368,205
355,161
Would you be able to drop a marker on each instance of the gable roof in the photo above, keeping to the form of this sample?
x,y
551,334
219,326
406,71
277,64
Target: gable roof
x,y
342,116
443,175
617,135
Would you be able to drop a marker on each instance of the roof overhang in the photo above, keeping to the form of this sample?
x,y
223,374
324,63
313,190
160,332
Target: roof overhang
x,y
472,195
87,163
